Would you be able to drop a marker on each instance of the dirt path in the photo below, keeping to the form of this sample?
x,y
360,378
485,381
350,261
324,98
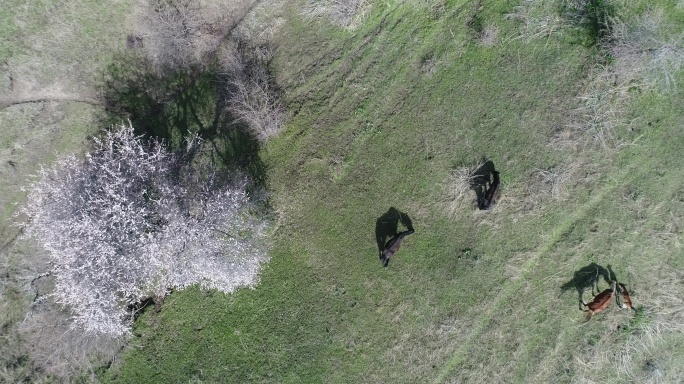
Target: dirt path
x,y
7,102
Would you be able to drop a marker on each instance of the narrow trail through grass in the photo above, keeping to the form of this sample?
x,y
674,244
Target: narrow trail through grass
x,y
513,286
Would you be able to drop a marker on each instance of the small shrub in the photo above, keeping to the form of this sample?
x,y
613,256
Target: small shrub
x,y
252,97
489,35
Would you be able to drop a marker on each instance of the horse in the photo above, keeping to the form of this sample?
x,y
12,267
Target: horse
x,y
626,299
392,246
600,301
491,194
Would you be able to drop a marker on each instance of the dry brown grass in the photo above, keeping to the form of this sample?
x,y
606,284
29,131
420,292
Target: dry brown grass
x,y
644,50
345,13
601,103
265,19
538,19
52,65
515,265
600,116
644,56
552,183
642,352
48,88
644,347
488,37
459,195
643,53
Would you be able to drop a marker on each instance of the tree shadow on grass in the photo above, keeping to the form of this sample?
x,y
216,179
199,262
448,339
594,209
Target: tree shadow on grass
x,y
588,277
177,106
386,226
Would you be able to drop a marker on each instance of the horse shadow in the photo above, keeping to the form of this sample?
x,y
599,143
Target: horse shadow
x,y
587,278
386,226
482,178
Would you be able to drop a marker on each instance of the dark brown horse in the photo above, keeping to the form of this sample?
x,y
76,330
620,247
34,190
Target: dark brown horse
x,y
491,194
392,246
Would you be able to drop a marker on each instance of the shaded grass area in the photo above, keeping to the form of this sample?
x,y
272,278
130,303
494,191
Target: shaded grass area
x,y
374,128
178,106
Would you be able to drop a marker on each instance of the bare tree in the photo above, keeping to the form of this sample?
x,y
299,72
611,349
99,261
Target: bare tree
x,y
170,30
179,34
252,97
256,105
184,35
133,221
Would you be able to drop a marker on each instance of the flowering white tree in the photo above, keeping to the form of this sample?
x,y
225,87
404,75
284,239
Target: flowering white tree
x,y
132,221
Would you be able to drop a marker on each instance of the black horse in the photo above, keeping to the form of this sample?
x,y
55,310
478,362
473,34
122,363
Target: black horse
x,y
491,194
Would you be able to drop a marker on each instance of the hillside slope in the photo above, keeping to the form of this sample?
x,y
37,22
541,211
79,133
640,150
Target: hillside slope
x,y
384,117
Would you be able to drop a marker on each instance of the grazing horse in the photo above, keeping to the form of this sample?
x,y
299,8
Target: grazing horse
x,y
600,301
491,194
392,246
626,299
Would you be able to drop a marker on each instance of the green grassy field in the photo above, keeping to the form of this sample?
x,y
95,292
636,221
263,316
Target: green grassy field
x,y
383,119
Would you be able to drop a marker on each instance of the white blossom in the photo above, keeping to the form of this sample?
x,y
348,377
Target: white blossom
x,y
132,221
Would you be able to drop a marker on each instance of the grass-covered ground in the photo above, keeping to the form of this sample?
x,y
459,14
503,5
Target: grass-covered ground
x,y
384,118
51,54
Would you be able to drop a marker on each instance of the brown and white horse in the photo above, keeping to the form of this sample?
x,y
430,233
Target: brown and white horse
x,y
626,299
